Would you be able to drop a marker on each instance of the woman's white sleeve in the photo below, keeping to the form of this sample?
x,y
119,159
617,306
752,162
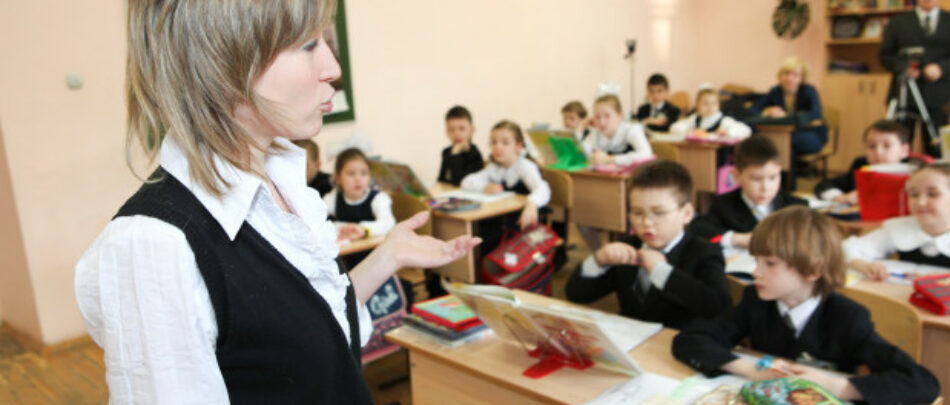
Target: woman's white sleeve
x,y
145,303
382,206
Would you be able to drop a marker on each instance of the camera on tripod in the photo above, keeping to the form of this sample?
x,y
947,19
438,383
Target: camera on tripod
x,y
911,55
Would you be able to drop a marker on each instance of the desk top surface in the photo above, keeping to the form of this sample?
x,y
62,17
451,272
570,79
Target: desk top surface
x,y
361,245
486,210
502,363
902,293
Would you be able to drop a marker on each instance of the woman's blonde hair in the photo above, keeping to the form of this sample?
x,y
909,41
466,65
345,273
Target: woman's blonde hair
x,y
794,63
191,62
807,241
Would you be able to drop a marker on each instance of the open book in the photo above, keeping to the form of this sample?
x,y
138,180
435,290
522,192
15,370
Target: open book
x,y
572,332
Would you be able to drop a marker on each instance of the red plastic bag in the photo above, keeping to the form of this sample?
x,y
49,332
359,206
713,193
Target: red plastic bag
x,y
881,195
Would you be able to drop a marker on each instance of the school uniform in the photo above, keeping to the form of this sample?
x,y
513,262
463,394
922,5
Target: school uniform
x,y
692,284
224,298
715,122
903,236
806,107
522,177
322,182
662,109
373,212
628,145
733,212
455,166
832,331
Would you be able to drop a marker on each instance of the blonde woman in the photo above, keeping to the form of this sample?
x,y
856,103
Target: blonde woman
x,y
218,281
793,97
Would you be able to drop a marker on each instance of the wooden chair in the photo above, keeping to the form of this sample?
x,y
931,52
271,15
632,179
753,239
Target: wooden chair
x,y
562,193
832,118
665,151
681,100
896,321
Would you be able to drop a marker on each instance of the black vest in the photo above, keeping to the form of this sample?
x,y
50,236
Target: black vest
x,y
278,341
355,213
917,257
518,188
713,127
627,149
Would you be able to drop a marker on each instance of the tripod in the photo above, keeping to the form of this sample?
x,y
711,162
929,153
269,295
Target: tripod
x,y
898,109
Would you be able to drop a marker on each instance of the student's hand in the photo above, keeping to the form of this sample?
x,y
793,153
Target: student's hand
x,y
875,271
848,198
741,239
933,72
460,148
616,253
600,157
838,386
746,368
493,188
408,249
529,215
649,259
351,232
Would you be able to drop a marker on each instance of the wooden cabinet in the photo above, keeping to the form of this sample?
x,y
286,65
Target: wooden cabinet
x,y
861,99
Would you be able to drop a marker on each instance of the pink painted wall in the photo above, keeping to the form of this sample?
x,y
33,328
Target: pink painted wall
x,y
411,61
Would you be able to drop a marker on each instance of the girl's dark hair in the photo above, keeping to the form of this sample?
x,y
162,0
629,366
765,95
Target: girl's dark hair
x,y
516,131
346,156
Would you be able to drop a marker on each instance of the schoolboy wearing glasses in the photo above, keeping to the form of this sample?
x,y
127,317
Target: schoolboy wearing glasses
x,y
663,273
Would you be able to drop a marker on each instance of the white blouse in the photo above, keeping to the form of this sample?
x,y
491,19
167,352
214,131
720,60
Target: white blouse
x,y
628,133
729,125
145,303
382,206
902,234
522,169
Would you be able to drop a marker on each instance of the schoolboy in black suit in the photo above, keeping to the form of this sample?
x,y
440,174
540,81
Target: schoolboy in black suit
x,y
792,311
664,274
462,157
658,114
733,215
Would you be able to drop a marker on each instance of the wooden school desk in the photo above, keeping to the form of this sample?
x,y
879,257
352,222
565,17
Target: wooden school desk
x,y
935,345
361,245
488,371
600,200
448,225
781,135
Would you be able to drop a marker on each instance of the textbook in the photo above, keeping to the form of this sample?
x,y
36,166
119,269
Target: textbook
x,y
572,334
447,311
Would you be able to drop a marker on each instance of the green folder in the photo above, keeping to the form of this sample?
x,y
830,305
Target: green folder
x,y
569,157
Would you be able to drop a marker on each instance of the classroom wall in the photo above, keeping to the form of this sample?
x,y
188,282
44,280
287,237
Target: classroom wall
x,y
411,61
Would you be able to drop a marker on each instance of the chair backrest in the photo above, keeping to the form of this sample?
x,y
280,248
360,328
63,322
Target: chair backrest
x,y
665,151
832,118
561,188
681,100
896,321
405,206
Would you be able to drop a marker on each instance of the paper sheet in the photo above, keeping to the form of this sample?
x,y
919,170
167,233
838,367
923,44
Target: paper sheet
x,y
476,196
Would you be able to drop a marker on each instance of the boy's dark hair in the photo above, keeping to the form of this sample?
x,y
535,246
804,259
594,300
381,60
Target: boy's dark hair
x,y
664,174
458,112
346,156
889,127
658,79
575,107
756,150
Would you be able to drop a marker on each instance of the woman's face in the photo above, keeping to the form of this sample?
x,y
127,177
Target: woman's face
x,y
790,79
298,84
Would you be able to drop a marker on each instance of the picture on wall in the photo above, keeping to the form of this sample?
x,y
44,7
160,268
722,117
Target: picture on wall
x,y
335,36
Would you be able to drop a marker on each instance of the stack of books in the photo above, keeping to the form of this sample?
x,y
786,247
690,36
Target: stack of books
x,y
446,319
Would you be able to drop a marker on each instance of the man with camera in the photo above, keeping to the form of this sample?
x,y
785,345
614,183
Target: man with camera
x,y
918,43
